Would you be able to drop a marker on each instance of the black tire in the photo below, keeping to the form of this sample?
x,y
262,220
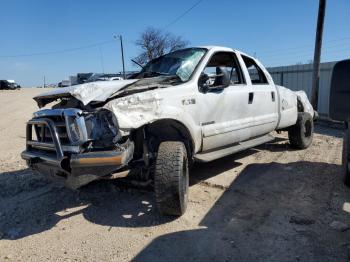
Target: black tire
x,y
301,134
171,178
345,161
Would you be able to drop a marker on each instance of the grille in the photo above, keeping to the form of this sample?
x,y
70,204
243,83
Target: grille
x,y
44,135
48,131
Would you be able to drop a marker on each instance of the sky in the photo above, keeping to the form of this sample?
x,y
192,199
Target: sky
x,y
55,39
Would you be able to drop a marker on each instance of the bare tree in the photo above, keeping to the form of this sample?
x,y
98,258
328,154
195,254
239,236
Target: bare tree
x,y
155,42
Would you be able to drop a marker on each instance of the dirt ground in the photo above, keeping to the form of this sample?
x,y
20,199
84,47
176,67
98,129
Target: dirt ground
x,y
269,203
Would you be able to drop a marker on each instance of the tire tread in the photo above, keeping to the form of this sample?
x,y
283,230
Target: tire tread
x,y
296,135
167,179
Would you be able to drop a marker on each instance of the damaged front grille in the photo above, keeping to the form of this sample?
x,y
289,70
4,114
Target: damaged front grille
x,y
68,143
73,129
43,134
57,130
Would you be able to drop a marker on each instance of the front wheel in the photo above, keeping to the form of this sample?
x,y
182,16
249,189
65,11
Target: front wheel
x,y
171,178
301,134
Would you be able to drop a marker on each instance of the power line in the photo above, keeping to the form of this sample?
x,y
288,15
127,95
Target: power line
x,y
58,51
299,53
307,51
303,46
299,50
96,44
176,19
332,55
183,14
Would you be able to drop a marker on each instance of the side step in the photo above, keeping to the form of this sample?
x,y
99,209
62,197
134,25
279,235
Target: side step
x,y
212,155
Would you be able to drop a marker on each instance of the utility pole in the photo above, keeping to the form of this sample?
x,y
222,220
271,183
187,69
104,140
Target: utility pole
x,y
122,51
44,82
317,53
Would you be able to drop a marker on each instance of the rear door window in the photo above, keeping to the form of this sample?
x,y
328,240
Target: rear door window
x,y
255,72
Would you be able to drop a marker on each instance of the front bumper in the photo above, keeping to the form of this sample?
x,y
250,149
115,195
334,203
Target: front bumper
x,y
77,169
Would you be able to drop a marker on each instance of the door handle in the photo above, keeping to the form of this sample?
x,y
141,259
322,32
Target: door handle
x,y
250,98
273,96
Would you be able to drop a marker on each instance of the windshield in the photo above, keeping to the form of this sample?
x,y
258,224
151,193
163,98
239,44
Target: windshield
x,y
181,63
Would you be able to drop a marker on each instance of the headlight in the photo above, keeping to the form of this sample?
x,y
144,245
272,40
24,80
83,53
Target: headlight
x,y
73,129
102,128
76,129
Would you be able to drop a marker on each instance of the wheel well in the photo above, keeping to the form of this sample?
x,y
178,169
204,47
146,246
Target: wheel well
x,y
159,131
300,105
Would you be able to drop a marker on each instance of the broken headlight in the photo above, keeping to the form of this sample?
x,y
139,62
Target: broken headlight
x,y
102,128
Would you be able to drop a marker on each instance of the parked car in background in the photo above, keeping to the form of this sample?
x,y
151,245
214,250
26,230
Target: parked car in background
x,y
104,77
109,78
83,77
195,104
9,84
64,83
115,78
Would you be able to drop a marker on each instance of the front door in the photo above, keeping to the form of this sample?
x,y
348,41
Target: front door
x,y
226,113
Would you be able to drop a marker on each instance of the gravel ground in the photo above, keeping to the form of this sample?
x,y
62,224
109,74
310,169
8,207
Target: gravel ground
x,y
269,203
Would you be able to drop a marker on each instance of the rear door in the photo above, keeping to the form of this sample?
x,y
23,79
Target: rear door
x,y
262,97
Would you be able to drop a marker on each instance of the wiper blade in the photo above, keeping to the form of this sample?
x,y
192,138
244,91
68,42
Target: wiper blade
x,y
154,73
172,78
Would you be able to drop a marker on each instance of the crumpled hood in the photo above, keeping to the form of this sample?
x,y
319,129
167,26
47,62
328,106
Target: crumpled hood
x,y
94,91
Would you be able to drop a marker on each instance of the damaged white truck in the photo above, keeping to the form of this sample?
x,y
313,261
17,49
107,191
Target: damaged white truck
x,y
195,104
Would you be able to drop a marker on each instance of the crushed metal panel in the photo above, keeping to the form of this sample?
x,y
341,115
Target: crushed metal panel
x,y
136,110
94,91
302,97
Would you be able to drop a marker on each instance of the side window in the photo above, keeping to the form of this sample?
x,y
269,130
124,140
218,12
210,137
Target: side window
x,y
223,67
256,74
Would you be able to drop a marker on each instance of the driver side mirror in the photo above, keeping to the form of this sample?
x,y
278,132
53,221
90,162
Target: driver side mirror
x,y
203,82
221,80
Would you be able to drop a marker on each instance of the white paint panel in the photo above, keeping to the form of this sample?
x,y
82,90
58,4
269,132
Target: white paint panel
x,y
299,77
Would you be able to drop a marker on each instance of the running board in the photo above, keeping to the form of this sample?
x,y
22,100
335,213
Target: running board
x,y
212,155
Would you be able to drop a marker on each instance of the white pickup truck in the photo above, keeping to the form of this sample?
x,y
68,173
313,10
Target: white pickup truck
x,y
194,104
